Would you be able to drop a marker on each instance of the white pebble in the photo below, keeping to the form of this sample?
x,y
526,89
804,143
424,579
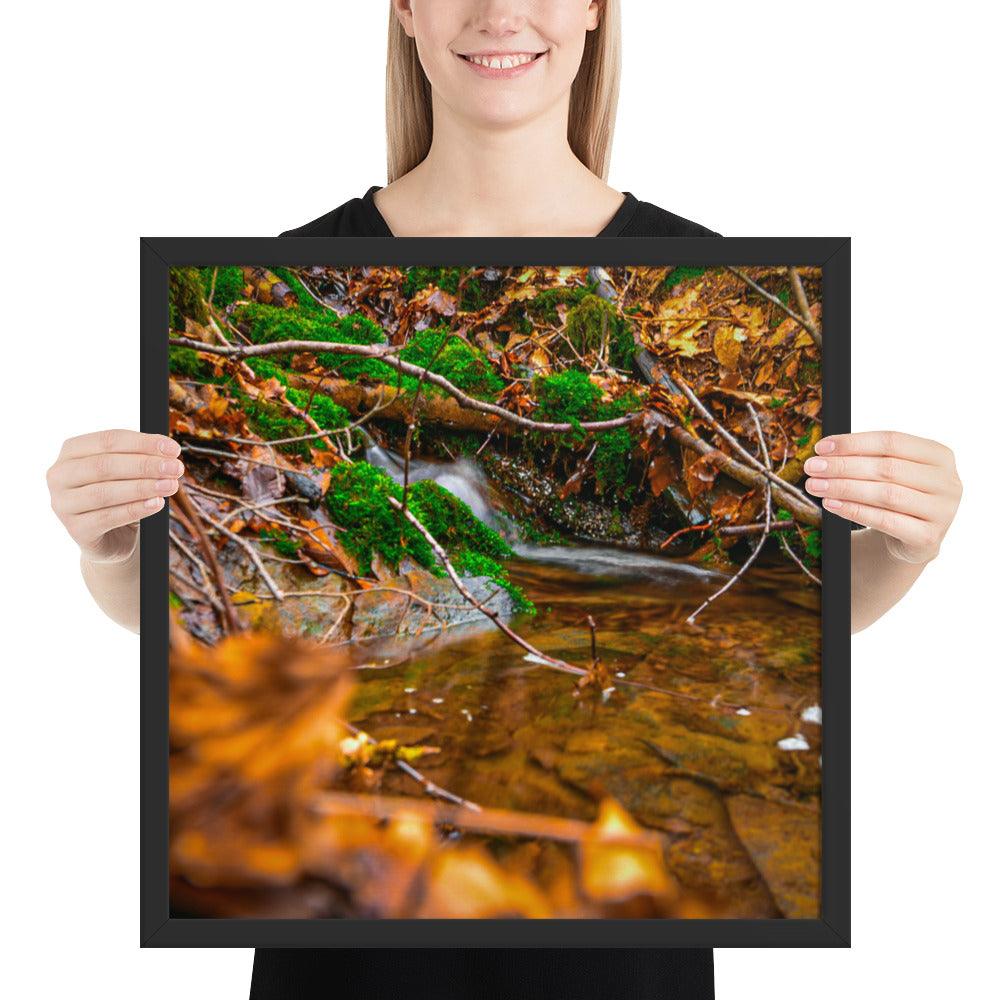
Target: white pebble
x,y
813,714
796,742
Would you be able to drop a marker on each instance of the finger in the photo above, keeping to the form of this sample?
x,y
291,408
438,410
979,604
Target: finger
x,y
881,469
108,466
888,496
909,530
97,496
904,446
88,528
119,440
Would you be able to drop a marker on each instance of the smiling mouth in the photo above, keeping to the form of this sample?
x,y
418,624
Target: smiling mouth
x,y
500,61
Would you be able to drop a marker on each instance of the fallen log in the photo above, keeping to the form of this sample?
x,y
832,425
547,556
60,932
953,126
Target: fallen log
x,y
269,288
359,398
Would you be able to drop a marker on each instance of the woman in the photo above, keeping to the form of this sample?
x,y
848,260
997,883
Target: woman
x,y
522,96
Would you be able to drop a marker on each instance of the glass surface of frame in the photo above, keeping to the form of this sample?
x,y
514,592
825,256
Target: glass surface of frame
x,y
491,611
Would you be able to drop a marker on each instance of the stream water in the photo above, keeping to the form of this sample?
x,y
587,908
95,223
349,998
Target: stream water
x,y
723,757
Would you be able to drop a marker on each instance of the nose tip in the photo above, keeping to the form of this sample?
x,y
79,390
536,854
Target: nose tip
x,y
498,25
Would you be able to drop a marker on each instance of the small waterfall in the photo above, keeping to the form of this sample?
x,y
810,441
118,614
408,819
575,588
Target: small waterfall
x,y
466,480
463,478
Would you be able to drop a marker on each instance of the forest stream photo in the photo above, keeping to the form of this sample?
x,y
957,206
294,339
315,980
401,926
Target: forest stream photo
x,y
495,592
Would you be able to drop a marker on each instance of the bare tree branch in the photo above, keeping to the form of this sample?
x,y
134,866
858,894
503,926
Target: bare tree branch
x,y
385,354
763,535
806,324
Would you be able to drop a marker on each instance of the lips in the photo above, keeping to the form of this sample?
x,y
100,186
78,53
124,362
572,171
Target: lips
x,y
500,65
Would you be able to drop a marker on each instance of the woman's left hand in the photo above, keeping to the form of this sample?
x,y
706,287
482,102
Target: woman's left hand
x,y
903,486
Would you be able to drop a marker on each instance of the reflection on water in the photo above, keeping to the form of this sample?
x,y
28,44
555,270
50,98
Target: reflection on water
x,y
700,761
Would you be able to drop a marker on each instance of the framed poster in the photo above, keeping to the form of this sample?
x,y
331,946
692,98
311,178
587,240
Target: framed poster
x,y
491,610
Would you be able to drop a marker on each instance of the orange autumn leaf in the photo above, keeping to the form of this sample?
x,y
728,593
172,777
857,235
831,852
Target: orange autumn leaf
x,y
618,861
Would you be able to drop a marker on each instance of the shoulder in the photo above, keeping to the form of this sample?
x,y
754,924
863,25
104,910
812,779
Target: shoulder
x,y
357,217
648,219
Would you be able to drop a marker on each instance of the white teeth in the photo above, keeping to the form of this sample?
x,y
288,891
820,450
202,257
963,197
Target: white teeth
x,y
501,62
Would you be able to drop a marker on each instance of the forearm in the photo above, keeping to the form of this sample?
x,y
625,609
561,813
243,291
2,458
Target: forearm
x,y
114,585
878,578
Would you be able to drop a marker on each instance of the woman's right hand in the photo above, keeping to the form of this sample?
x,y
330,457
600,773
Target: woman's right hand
x,y
102,484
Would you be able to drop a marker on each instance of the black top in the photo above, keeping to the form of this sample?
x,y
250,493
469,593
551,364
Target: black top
x,y
360,217
486,973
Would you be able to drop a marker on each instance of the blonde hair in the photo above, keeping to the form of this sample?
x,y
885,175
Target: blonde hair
x,y
593,100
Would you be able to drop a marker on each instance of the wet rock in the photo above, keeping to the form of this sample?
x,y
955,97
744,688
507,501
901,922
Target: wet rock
x,y
532,493
389,610
789,864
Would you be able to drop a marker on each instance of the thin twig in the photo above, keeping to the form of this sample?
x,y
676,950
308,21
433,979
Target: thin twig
x,y
482,820
732,441
249,549
432,789
773,299
763,535
802,566
194,517
803,302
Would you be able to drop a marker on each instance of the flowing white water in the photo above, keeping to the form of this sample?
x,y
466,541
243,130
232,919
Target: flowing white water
x,y
467,481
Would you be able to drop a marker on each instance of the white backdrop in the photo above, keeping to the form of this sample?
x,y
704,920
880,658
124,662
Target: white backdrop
x,y
772,118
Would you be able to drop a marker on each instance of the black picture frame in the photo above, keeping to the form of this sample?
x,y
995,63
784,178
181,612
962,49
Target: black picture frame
x,y
158,928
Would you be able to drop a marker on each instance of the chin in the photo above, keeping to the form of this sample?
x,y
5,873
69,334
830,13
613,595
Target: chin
x,y
498,111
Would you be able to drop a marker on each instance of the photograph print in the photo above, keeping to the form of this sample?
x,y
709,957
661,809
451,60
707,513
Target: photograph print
x,y
494,592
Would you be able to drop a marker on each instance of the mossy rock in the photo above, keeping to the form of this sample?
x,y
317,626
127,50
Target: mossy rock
x,y
592,321
185,298
358,502
462,363
571,397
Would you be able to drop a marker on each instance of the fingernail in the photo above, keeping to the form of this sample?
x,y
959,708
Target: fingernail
x,y
817,485
824,446
154,502
162,485
815,464
171,467
833,504
169,447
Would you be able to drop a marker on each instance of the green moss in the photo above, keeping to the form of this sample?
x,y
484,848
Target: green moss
x,y
185,362
266,324
448,279
185,298
306,300
570,397
272,421
544,306
283,544
593,319
452,522
358,502
463,364
814,544
475,564
229,284
680,274
267,369
566,397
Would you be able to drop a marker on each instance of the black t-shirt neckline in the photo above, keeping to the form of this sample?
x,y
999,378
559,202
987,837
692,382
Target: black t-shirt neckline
x,y
379,227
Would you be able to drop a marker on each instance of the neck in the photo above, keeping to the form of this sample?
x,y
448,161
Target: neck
x,y
508,180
